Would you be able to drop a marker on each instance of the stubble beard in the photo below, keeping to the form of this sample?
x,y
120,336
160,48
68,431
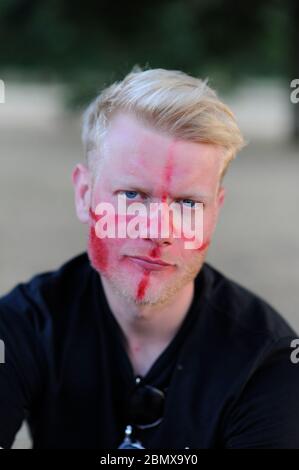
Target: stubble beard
x,y
119,284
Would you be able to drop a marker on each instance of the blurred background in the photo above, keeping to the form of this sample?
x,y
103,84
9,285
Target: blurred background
x,y
55,56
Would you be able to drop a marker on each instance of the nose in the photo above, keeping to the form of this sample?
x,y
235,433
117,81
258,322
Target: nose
x,y
160,227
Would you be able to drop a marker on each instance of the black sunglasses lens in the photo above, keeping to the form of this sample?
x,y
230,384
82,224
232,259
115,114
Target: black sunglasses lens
x,y
146,406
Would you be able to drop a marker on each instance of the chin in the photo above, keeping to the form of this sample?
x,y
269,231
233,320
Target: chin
x,y
154,295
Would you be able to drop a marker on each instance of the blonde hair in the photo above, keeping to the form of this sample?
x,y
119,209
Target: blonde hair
x,y
169,101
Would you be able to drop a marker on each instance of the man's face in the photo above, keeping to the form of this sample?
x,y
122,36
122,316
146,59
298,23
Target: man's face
x,y
146,166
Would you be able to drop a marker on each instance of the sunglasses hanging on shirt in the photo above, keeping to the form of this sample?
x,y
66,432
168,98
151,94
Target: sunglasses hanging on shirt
x,y
145,410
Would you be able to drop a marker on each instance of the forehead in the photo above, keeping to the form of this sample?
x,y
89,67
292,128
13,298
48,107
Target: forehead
x,y
134,151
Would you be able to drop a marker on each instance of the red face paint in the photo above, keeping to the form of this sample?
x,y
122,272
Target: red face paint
x,y
204,246
168,169
93,215
155,252
142,286
97,248
111,255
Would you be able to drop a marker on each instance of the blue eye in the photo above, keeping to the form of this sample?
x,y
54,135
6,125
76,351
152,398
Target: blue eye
x,y
190,203
131,194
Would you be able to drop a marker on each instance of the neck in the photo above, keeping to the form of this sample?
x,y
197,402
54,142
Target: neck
x,y
148,329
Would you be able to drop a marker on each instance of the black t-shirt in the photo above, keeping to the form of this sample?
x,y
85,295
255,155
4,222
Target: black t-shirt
x,y
227,374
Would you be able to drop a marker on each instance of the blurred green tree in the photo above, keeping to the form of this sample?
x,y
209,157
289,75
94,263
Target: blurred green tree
x,y
87,44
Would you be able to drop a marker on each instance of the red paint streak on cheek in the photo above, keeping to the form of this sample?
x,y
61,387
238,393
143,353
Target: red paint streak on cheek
x,y
142,286
93,215
99,255
97,248
98,251
204,246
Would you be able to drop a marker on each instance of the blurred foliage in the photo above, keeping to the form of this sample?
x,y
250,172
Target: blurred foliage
x,y
91,43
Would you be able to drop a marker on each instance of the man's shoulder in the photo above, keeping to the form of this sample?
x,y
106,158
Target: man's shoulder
x,y
49,287
243,310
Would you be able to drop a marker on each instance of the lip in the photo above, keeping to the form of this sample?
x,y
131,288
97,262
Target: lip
x,y
150,263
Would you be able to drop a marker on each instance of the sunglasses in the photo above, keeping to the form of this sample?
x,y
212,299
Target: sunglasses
x,y
145,410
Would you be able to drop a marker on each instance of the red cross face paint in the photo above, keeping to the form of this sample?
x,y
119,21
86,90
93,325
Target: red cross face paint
x,y
97,248
145,167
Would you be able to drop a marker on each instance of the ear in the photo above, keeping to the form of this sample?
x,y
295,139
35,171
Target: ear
x,y
221,197
82,187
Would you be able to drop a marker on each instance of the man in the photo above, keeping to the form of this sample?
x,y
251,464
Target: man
x,y
139,342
